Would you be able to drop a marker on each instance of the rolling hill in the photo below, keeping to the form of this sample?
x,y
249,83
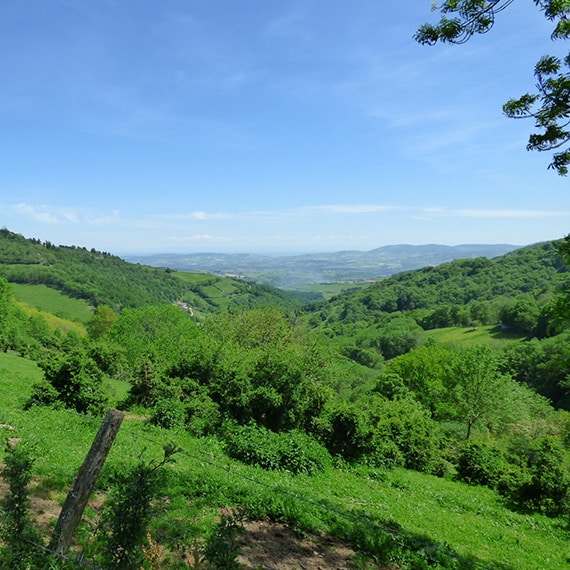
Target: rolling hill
x,y
104,279
290,272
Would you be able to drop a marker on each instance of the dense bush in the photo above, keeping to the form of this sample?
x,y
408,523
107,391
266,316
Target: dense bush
x,y
405,426
168,413
544,485
382,433
521,314
292,451
73,380
480,464
343,428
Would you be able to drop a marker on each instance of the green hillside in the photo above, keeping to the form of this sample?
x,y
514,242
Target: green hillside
x,y
104,279
422,421
417,520
477,286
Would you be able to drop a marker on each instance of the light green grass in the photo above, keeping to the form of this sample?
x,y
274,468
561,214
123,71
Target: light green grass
x,y
472,521
327,290
194,278
489,334
48,300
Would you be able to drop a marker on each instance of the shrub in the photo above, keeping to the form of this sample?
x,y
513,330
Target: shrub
x,y
292,451
480,464
168,413
127,512
403,429
22,544
343,429
76,381
546,489
202,414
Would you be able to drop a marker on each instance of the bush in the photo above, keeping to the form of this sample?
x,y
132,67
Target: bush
x,y
127,511
546,487
403,431
76,382
202,414
480,464
292,451
168,413
343,429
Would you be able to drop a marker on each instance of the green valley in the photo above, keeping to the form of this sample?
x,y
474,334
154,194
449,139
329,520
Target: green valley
x,y
418,422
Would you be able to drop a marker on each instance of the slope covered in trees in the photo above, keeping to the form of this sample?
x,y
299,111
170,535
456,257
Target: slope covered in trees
x,y
353,383
454,293
105,279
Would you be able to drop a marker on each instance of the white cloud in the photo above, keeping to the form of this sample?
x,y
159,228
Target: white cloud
x,y
43,213
351,208
496,213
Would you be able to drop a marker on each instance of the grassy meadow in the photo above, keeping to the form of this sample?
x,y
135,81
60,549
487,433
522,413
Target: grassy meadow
x,y
357,505
487,334
48,300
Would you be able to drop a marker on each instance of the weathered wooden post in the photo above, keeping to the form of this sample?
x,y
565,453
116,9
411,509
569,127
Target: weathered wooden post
x,y
84,482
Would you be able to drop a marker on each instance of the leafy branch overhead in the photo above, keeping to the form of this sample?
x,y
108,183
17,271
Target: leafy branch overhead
x,y
549,105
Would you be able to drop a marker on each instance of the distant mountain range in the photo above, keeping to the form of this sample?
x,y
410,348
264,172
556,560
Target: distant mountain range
x,y
342,266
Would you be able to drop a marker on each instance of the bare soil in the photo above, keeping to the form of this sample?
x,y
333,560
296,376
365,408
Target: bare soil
x,y
273,546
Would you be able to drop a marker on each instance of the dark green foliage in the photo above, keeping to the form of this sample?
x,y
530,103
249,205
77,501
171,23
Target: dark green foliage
x,y
168,413
202,413
545,483
381,433
397,336
256,365
293,451
402,434
479,464
521,314
543,365
21,544
344,430
72,379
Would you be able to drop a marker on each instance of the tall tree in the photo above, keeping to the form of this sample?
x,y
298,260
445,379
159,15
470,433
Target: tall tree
x,y
478,390
549,106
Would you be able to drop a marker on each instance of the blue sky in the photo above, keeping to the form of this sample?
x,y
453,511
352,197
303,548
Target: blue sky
x,y
136,126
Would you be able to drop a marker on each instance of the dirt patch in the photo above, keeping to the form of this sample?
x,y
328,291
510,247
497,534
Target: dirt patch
x,y
273,546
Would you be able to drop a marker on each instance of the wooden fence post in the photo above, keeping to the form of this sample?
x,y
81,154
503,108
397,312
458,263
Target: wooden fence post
x,y
84,482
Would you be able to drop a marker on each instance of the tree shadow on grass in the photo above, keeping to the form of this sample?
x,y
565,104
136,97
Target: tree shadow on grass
x,y
387,542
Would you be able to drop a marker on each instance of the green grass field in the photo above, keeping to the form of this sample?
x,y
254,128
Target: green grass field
x,y
48,300
471,522
328,290
194,278
489,334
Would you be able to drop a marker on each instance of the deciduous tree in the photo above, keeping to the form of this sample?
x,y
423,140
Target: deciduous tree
x,y
549,105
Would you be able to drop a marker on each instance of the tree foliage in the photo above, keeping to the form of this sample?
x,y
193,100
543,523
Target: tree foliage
x,y
549,106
